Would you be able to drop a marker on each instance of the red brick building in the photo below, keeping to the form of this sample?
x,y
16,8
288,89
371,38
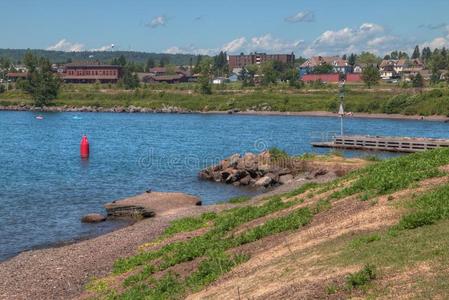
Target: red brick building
x,y
240,61
91,72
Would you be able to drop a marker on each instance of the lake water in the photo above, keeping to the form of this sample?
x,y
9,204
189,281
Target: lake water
x,y
45,187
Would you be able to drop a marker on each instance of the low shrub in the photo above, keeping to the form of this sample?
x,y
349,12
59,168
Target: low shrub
x,y
362,277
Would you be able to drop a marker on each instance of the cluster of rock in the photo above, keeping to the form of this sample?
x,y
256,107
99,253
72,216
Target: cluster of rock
x,y
117,109
258,170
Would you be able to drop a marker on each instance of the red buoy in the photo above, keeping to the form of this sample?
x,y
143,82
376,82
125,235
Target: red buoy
x,y
84,148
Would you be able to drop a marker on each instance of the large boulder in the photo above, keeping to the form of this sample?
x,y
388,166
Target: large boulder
x,y
284,179
264,181
150,204
234,160
93,218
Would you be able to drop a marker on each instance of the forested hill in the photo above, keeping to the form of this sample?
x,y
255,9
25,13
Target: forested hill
x,y
16,55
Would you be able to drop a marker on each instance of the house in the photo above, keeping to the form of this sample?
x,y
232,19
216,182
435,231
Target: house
x,y
242,60
357,69
326,78
393,68
220,80
338,65
170,79
165,75
388,72
14,76
91,72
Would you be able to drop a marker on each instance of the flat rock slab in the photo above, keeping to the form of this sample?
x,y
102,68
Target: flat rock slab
x,y
150,204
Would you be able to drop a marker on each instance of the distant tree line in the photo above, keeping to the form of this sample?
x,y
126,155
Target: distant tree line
x,y
17,56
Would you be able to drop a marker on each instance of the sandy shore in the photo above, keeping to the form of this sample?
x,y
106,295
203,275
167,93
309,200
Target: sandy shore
x,y
334,115
437,118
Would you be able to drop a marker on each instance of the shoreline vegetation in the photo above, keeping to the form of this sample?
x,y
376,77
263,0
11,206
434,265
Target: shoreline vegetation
x,y
385,101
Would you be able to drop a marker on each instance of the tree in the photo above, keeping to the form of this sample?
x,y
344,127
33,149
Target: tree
x,y
221,64
269,72
292,76
352,59
205,76
252,71
418,81
416,53
426,54
149,64
197,68
371,76
42,84
165,60
323,69
129,80
367,58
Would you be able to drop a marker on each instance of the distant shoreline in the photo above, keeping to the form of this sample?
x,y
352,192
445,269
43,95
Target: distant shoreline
x,y
175,110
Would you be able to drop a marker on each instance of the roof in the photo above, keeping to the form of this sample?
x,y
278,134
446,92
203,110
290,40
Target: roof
x,y
90,64
17,74
166,77
315,61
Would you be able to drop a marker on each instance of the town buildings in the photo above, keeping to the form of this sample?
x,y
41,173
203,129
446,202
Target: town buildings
x,y
337,64
166,75
242,60
91,72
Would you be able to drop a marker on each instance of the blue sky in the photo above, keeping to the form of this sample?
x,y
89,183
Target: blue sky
x,y
305,27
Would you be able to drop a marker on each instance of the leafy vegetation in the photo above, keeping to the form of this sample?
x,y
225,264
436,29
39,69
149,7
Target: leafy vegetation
x,y
362,277
42,84
395,174
427,209
189,223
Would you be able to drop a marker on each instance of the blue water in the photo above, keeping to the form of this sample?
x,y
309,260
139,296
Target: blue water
x,y
45,188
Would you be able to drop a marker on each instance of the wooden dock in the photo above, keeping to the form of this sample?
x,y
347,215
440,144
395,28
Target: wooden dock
x,y
377,143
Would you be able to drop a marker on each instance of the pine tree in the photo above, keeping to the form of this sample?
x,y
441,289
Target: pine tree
x,y
416,53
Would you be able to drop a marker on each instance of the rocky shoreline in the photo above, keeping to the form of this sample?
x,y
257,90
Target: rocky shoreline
x,y
180,110
268,170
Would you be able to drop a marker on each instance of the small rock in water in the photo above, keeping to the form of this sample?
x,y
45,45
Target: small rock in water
x,y
93,218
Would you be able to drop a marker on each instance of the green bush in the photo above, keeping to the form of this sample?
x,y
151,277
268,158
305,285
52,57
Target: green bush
x,y
362,277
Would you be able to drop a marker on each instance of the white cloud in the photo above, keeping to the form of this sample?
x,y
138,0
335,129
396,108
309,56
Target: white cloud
x,y
235,45
264,43
157,22
438,42
367,37
191,50
64,45
302,16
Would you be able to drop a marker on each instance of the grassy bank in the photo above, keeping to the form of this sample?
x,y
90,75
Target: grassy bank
x,y
368,234
383,99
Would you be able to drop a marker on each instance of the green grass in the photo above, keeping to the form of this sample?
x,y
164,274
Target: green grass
x,y
427,209
189,224
212,246
275,98
392,175
239,199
